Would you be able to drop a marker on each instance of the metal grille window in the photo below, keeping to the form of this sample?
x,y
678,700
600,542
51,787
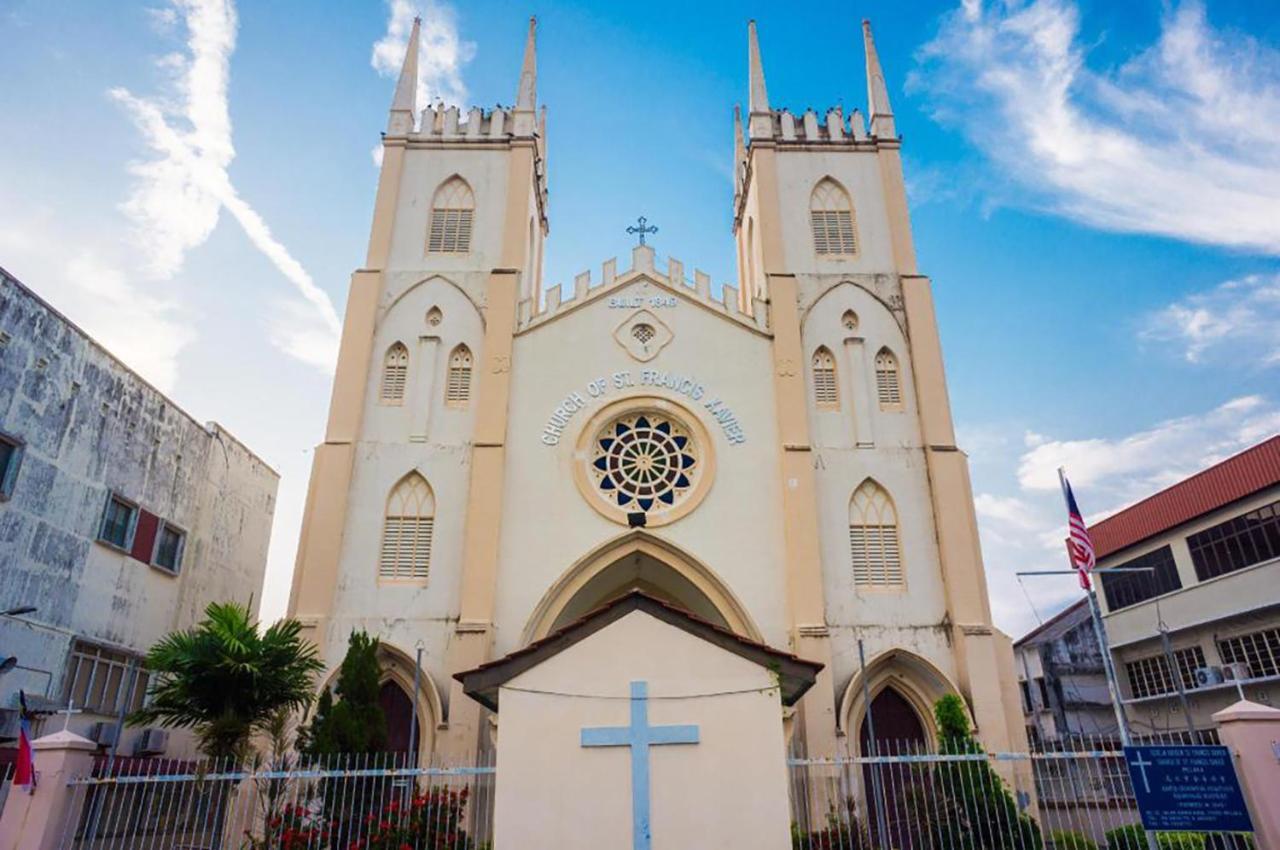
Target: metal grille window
x,y
118,520
407,530
10,460
170,544
395,371
1259,650
457,389
1150,677
831,217
825,390
1237,543
888,383
1125,589
452,214
873,538
97,679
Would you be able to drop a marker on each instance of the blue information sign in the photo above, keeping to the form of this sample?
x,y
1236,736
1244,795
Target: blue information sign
x,y
1182,789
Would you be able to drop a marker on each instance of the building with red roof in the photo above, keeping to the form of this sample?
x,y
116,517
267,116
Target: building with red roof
x,y
1211,545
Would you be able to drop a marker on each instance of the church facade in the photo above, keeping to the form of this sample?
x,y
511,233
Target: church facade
x,y
776,457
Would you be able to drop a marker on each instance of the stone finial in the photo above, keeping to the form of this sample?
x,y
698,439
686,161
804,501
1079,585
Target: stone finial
x,y
527,92
405,102
882,124
759,119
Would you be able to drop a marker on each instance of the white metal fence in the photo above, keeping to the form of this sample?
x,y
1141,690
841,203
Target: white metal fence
x,y
371,802
905,797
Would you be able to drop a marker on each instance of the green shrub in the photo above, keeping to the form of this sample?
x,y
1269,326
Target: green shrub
x,y
1133,837
1069,839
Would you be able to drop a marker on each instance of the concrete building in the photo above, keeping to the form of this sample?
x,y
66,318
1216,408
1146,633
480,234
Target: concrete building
x,y
1212,542
121,518
775,456
1064,686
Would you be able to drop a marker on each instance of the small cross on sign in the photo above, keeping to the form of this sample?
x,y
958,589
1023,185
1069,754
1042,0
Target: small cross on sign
x,y
68,711
640,228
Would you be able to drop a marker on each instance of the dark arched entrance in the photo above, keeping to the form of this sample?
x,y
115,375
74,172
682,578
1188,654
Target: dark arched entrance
x,y
398,709
889,788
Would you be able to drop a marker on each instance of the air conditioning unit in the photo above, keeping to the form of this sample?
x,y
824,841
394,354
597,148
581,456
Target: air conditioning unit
x,y
151,742
103,734
1206,676
1237,671
9,723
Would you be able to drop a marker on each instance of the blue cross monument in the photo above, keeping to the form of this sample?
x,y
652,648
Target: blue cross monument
x,y
639,736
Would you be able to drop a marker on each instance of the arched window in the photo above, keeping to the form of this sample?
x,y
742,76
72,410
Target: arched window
x,y
406,531
849,320
457,389
888,382
395,369
826,394
452,213
873,538
831,216
751,257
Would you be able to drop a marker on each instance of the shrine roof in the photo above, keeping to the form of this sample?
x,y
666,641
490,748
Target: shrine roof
x,y
795,675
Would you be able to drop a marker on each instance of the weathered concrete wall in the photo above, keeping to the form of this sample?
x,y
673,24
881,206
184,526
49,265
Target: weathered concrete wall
x,y
91,426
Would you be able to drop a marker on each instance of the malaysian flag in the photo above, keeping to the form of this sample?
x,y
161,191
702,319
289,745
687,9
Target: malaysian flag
x,y
1079,546
24,775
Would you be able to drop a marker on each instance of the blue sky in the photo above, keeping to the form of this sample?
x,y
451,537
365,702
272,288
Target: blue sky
x,y
1095,192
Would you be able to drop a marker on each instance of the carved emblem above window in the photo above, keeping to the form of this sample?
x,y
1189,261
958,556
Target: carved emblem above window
x,y
643,335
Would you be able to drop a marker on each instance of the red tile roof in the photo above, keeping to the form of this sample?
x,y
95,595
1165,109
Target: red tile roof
x,y
1218,486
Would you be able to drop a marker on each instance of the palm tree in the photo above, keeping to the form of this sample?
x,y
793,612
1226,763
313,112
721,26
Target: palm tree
x,y
226,681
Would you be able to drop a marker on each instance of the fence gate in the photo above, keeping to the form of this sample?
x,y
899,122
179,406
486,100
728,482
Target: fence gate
x,y
905,797
342,804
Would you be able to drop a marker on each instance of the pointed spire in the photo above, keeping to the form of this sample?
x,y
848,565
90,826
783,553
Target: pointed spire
x,y
527,93
877,93
759,118
405,102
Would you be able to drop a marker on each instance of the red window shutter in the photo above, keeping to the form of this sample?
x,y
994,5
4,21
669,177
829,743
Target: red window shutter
x,y
144,537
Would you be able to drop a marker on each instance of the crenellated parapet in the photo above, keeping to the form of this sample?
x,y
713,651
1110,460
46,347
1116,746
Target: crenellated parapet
x,y
558,300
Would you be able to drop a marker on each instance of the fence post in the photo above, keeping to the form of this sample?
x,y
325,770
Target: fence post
x,y
1252,733
37,821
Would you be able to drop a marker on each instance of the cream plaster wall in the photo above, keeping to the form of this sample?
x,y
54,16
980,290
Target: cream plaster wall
x,y
859,173
548,526
861,440
485,170
715,794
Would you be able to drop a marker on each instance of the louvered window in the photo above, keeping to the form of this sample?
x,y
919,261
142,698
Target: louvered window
x,y
452,216
874,547
395,371
457,389
888,382
826,393
831,217
407,531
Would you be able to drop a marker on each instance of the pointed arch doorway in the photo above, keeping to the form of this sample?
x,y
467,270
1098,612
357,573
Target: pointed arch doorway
x,y
638,560
890,788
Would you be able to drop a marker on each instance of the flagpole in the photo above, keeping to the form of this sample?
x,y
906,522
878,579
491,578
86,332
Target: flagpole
x,y
1100,633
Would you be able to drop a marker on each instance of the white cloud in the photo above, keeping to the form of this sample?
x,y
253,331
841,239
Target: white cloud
x,y
178,195
1183,140
442,55
1239,320
1135,465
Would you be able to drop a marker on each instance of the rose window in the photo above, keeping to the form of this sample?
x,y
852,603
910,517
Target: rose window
x,y
644,461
